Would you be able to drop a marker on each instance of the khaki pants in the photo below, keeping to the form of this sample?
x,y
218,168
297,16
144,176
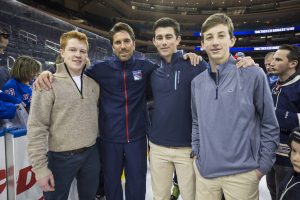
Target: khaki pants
x,y
243,186
163,161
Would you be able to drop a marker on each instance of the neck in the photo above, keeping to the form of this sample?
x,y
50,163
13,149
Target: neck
x,y
213,66
25,82
168,58
75,72
285,76
214,62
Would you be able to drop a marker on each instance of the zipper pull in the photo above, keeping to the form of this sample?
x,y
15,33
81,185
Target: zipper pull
x,y
175,81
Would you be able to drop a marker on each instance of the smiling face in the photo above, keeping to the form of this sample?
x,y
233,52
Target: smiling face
x,y
123,45
166,42
75,55
295,156
216,42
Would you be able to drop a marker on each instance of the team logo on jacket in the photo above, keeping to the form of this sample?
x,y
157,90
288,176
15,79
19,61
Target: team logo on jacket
x,y
10,91
137,75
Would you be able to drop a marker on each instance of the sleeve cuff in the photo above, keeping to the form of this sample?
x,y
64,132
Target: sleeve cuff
x,y
195,151
41,173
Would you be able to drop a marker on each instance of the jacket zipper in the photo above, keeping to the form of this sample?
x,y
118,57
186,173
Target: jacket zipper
x,y
277,94
288,188
217,83
126,102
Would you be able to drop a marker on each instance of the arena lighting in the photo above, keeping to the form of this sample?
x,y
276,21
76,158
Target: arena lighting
x,y
249,49
260,31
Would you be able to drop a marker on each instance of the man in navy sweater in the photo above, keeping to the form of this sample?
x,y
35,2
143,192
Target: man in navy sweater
x,y
170,134
286,97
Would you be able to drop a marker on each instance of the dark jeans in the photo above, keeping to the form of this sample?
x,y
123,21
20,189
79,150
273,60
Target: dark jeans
x,y
274,178
132,157
84,166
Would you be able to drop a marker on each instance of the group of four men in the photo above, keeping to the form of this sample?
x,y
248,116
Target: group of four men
x,y
221,144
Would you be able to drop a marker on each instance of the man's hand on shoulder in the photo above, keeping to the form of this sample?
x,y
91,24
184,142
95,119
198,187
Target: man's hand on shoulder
x,y
194,58
43,81
245,62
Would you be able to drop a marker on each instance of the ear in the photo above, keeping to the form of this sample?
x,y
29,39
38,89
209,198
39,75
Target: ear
x,y
62,53
178,39
133,44
293,63
202,45
154,42
232,41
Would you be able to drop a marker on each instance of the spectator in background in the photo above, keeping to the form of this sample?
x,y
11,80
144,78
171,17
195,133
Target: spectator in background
x,y
239,55
8,105
289,188
4,74
24,70
286,98
64,120
272,78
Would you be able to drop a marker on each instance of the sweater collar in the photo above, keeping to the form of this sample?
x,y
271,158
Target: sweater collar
x,y
61,70
175,56
129,62
289,79
229,65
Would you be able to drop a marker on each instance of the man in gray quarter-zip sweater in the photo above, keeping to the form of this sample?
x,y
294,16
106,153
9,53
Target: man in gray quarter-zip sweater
x,y
235,133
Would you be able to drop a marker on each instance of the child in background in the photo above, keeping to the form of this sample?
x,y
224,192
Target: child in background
x,y
24,70
8,106
289,189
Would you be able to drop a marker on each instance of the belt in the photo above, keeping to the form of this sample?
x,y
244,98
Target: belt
x,y
76,151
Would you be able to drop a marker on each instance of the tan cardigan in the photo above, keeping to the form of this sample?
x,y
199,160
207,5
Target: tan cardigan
x,y
61,119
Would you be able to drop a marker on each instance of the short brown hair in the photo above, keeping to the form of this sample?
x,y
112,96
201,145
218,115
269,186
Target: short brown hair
x,y
64,38
25,68
269,54
120,26
4,33
294,53
216,19
167,22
